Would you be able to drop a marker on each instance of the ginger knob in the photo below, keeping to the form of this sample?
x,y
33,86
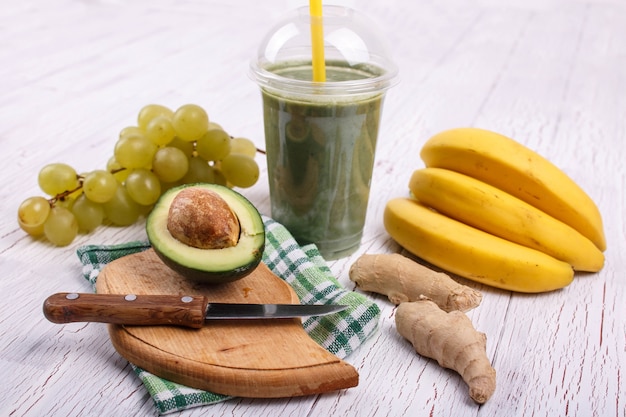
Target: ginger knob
x,y
402,279
451,340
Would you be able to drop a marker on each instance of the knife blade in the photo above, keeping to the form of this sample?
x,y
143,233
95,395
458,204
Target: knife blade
x,y
188,310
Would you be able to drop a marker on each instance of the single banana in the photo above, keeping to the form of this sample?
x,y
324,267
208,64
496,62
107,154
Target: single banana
x,y
470,252
494,211
512,167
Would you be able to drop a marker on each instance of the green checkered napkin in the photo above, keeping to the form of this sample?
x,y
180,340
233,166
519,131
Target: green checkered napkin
x,y
303,268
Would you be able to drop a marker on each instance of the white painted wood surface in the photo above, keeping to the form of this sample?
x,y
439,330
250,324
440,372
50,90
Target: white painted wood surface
x,y
550,73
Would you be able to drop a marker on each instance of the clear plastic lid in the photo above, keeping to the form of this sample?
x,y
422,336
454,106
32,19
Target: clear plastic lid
x,y
351,40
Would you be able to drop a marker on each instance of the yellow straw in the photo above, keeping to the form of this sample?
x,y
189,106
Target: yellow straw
x,y
317,41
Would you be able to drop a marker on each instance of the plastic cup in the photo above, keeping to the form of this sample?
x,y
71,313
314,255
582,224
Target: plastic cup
x,y
321,137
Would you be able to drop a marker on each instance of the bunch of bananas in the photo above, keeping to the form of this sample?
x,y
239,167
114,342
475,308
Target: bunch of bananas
x,y
491,210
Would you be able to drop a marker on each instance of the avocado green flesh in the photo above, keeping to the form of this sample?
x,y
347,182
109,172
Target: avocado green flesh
x,y
209,265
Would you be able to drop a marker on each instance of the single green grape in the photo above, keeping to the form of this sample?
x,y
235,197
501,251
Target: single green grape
x,y
213,125
240,170
32,214
121,210
61,226
243,146
57,178
160,130
143,187
190,122
170,164
151,111
89,214
119,172
199,171
99,186
135,151
214,145
130,131
186,147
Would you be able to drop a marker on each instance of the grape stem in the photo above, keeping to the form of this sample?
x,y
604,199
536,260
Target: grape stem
x,y
67,193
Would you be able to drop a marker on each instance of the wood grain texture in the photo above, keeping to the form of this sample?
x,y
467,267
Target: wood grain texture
x,y
244,358
549,73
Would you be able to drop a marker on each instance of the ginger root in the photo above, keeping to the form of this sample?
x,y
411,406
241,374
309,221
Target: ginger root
x,y
450,339
402,279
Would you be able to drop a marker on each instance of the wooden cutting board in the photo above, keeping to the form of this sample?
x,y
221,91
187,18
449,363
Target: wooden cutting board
x,y
245,358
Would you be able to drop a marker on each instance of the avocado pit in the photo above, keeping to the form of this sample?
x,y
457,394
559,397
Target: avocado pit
x,y
200,218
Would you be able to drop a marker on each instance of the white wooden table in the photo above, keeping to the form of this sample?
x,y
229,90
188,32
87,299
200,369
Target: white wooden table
x,y
550,73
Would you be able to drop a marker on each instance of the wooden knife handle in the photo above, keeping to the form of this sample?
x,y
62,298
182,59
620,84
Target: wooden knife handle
x,y
128,309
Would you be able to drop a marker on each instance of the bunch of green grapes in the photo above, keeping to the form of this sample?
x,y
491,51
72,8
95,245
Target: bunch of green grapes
x,y
165,149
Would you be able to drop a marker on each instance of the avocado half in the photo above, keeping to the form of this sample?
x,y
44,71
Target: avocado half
x,y
209,265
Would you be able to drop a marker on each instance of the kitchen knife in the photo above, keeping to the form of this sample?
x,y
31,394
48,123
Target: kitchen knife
x,y
188,311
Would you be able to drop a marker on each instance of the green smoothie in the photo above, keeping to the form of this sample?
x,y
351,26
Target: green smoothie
x,y
320,156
